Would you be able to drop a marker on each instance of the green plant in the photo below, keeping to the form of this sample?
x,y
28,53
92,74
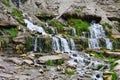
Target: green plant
x,y
79,24
12,32
49,63
58,25
6,3
107,25
112,63
70,73
114,76
17,14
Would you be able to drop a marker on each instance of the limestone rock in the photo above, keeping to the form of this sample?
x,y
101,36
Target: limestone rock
x,y
28,62
51,57
19,39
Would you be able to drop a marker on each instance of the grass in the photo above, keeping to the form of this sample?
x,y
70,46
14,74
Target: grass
x,y
54,63
114,76
17,14
79,24
12,32
6,3
58,25
107,25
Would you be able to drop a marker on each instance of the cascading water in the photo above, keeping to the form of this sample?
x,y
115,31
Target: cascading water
x,y
72,44
97,32
33,27
73,31
35,44
55,44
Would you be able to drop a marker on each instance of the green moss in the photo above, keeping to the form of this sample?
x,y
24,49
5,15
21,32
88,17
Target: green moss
x,y
58,25
17,14
6,3
79,24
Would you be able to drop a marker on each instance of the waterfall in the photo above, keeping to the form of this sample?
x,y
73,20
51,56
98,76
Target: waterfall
x,y
64,45
72,44
73,31
93,43
108,44
97,32
55,44
35,44
33,27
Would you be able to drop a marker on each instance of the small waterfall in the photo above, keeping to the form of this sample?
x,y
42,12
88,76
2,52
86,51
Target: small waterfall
x,y
55,44
35,44
33,27
64,45
108,44
93,43
97,32
72,44
73,31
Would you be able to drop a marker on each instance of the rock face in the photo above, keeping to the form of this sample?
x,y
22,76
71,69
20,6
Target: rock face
x,y
7,21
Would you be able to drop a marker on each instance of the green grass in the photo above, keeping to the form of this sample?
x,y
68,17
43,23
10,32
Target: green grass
x,y
70,73
6,3
12,32
17,14
49,63
107,25
114,76
79,24
58,25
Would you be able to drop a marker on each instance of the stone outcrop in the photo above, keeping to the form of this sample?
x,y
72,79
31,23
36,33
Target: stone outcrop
x,y
6,20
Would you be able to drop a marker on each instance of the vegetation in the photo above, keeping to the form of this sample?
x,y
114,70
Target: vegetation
x,y
58,25
6,3
114,76
17,14
107,25
70,72
54,63
12,32
79,24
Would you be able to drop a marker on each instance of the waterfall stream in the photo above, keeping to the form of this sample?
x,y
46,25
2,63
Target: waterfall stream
x,y
96,33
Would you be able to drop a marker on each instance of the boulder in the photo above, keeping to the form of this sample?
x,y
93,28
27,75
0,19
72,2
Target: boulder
x,y
51,57
29,62
7,21
19,39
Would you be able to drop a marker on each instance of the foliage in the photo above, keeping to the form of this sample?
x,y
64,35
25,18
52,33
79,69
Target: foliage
x,y
49,63
114,76
107,25
112,63
58,25
12,32
54,63
79,24
17,14
6,3
70,73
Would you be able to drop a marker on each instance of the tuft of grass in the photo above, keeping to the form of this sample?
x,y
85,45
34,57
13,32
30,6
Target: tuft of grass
x,y
49,63
6,3
58,25
17,14
70,73
12,32
114,76
79,24
107,25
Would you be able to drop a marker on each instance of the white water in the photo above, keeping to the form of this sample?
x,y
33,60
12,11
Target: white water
x,y
55,44
64,45
33,27
35,44
73,31
108,44
97,32
72,44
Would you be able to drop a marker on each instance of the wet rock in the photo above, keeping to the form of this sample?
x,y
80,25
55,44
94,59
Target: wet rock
x,y
59,68
58,52
19,39
29,62
14,60
41,70
51,57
